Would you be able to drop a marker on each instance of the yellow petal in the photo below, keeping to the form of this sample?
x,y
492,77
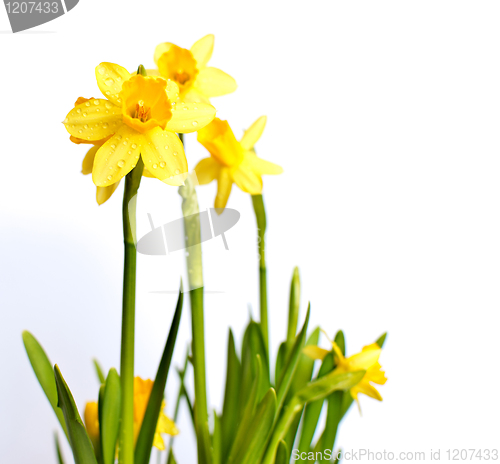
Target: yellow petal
x,y
91,418
117,157
367,389
213,82
260,166
224,185
190,117
247,180
161,49
202,50
207,170
195,97
146,173
158,442
91,122
315,352
166,425
88,161
172,90
110,78
253,133
103,194
363,360
163,156
218,138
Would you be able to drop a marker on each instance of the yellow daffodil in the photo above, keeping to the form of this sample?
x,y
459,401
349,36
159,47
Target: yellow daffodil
x,y
232,161
142,391
188,69
139,118
366,360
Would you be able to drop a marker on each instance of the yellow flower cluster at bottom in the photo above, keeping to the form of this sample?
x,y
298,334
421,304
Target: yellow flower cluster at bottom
x,y
142,391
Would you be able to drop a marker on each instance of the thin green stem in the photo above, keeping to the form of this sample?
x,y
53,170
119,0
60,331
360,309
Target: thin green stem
x,y
260,216
190,211
126,439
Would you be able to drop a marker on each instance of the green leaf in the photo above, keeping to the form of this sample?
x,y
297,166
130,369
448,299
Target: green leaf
x,y
380,342
316,390
313,409
255,439
44,373
217,440
109,416
145,439
229,420
83,452
99,371
340,341
171,457
282,454
280,361
333,418
60,458
291,363
248,412
293,310
301,377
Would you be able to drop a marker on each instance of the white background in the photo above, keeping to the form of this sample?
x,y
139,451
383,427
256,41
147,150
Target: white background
x,y
386,118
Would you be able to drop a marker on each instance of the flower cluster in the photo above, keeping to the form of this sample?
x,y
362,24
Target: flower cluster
x,y
141,114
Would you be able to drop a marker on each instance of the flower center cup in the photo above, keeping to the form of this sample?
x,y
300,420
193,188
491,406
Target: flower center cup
x,y
178,65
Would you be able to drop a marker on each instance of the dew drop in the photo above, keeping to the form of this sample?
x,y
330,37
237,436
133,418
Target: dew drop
x,y
175,153
110,177
102,70
85,126
162,164
177,171
107,104
166,147
84,115
125,142
96,102
87,103
118,137
109,81
79,110
121,163
134,146
195,123
155,166
80,131
105,125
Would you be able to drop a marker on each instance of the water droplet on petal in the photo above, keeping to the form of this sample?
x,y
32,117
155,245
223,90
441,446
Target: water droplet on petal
x,y
85,126
175,153
134,146
79,110
107,104
155,166
96,102
109,81
105,125
84,115
121,163
113,146
195,123
87,103
102,70
166,147
110,177
177,171
162,164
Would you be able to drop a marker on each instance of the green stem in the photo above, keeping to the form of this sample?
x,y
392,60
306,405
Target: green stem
x,y
260,215
126,441
190,211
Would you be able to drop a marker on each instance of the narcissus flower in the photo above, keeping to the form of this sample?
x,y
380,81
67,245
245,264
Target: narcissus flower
x,y
189,70
366,360
139,118
142,391
232,161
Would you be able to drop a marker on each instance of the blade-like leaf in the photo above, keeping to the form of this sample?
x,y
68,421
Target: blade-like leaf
x,y
253,446
44,373
291,363
340,341
280,362
313,409
217,440
99,372
282,454
248,412
293,310
171,457
109,416
83,452
316,390
380,342
60,458
229,418
146,435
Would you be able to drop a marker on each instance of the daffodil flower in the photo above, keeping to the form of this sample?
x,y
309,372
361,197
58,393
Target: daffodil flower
x,y
232,161
188,69
366,360
142,392
139,118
